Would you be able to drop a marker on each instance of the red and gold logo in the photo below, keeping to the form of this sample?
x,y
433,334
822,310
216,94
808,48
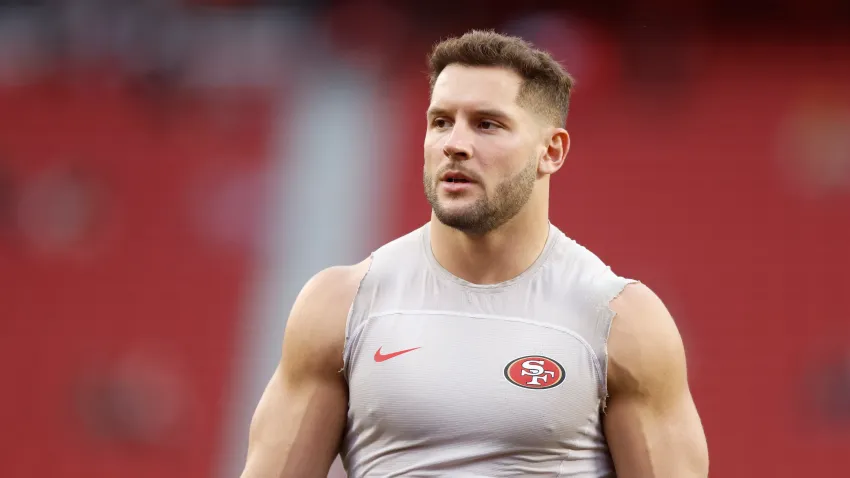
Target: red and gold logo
x,y
535,371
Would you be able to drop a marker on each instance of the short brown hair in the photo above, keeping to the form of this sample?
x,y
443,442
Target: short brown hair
x,y
546,84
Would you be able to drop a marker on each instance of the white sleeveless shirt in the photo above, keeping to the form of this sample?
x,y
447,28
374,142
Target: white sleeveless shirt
x,y
450,378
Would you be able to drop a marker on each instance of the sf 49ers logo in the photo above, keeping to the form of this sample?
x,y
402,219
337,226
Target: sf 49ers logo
x,y
535,371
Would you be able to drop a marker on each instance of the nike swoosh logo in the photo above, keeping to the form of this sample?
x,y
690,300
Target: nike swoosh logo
x,y
379,357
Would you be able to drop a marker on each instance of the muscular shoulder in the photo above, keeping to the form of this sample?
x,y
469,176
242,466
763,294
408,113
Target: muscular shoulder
x,y
331,290
645,350
316,325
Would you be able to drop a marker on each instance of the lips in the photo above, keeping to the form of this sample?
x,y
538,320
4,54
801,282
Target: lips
x,y
455,182
456,177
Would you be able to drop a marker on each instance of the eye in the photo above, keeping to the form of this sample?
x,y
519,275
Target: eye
x,y
440,123
488,125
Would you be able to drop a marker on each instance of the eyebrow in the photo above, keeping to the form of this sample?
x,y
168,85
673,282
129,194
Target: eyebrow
x,y
486,112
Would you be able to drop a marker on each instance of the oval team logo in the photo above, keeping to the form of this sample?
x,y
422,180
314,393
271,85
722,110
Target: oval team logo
x,y
535,371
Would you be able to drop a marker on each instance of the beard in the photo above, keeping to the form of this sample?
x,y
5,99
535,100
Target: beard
x,y
486,213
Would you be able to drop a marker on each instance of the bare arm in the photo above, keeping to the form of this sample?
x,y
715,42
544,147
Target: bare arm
x,y
652,424
299,421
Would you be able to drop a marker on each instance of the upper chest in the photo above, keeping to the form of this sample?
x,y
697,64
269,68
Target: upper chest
x,y
433,371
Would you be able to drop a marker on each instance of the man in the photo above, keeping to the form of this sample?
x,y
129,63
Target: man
x,y
484,343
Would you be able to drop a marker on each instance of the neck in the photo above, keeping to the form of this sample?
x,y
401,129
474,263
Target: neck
x,y
496,256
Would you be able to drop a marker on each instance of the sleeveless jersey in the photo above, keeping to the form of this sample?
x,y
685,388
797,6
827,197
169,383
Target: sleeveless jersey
x,y
451,378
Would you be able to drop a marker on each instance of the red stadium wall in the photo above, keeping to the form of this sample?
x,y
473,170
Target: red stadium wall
x,y
727,196
120,286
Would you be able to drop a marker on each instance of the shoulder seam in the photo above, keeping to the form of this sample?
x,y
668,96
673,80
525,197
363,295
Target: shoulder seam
x,y
346,349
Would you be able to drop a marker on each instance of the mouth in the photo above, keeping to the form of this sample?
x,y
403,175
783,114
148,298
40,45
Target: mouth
x,y
456,177
455,183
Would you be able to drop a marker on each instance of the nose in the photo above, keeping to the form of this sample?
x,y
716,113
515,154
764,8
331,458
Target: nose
x,y
458,146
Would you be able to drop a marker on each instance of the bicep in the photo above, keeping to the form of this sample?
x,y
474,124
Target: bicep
x,y
648,441
297,426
